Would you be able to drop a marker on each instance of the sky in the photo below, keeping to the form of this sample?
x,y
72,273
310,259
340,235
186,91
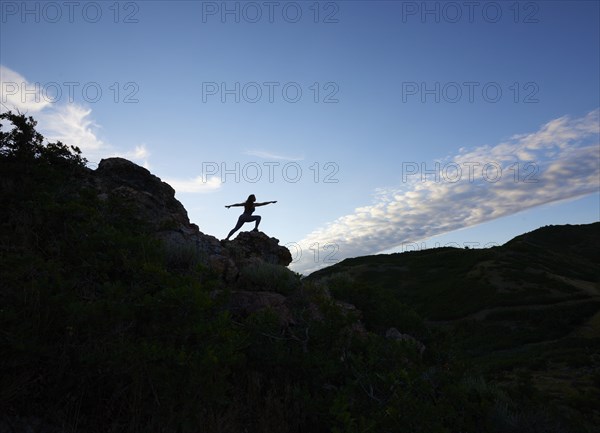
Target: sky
x,y
378,126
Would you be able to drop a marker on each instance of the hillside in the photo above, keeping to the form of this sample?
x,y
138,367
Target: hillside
x,y
529,308
552,264
118,314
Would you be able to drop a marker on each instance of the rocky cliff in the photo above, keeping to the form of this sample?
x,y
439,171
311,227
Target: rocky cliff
x,y
153,202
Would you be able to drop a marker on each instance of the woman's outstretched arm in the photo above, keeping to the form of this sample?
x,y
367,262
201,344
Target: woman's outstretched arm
x,y
236,204
265,203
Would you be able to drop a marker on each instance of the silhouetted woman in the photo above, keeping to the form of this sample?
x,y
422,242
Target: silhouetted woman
x,y
246,217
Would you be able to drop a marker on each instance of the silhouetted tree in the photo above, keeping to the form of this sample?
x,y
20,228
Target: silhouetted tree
x,y
23,144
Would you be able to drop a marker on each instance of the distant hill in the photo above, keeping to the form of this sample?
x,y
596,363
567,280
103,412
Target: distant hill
x,y
529,307
581,240
548,265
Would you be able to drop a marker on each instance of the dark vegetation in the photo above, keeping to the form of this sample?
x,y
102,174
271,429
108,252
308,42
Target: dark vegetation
x,y
103,329
525,315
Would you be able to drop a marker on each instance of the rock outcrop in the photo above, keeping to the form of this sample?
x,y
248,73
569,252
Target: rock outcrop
x,y
153,201
252,267
249,245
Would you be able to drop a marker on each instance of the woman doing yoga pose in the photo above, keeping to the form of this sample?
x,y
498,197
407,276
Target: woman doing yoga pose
x,y
246,217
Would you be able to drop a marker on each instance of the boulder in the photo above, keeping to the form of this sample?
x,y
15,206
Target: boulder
x,y
249,245
152,200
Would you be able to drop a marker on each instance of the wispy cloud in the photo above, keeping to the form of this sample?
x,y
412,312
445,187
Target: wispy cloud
x,y
71,123
272,156
559,161
18,94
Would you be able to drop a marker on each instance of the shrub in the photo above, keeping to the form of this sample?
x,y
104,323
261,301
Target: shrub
x,y
262,276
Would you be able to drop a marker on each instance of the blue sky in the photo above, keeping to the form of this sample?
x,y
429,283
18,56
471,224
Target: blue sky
x,y
378,126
